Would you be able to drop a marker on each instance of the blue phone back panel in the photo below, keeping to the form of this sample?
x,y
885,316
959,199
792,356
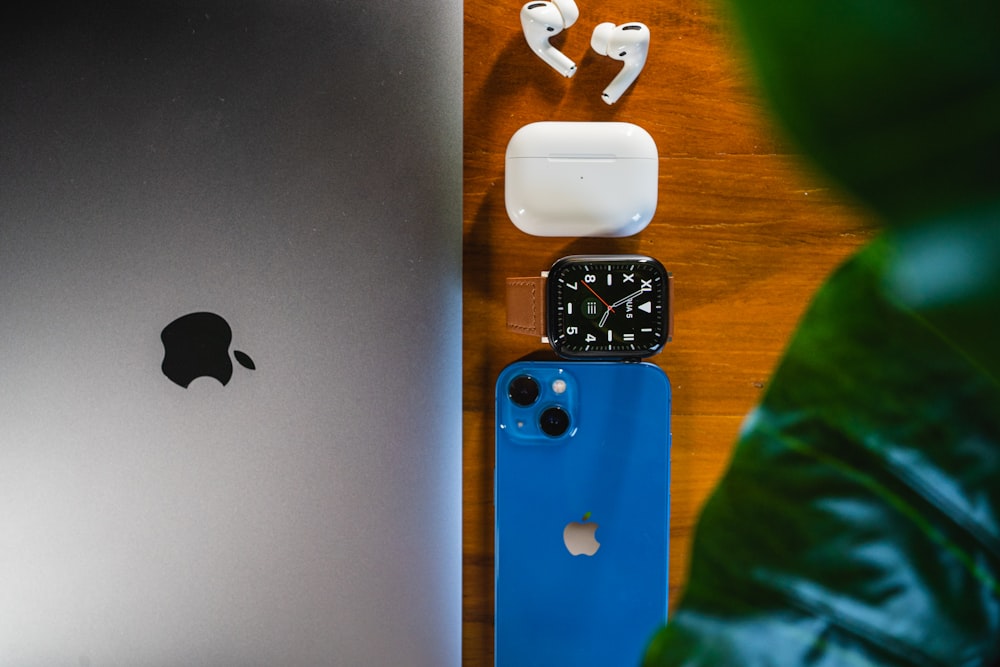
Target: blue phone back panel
x,y
609,469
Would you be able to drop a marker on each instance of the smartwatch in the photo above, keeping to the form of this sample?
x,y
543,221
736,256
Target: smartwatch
x,y
596,306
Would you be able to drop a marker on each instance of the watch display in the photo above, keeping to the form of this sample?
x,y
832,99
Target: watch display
x,y
612,306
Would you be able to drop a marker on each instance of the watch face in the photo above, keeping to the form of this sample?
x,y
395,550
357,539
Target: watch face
x,y
610,306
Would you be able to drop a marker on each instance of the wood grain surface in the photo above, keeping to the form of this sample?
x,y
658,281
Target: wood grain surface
x,y
747,228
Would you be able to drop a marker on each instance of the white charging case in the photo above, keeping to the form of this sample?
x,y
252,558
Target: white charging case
x,y
581,179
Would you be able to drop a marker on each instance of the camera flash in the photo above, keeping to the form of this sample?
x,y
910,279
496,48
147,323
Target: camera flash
x,y
559,386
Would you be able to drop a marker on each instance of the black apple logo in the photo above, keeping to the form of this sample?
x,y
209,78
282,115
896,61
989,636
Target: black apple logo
x,y
197,345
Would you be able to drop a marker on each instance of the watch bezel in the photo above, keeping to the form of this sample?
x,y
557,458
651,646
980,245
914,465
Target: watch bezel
x,y
551,306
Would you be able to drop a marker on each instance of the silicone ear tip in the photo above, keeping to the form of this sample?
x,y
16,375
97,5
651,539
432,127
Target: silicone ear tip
x,y
602,37
570,12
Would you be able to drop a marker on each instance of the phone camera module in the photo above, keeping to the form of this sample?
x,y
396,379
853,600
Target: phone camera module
x,y
523,390
554,421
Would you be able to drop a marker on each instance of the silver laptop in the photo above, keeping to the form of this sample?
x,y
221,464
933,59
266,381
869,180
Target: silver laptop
x,y
230,293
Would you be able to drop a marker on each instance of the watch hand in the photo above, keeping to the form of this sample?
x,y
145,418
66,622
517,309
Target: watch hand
x,y
611,308
627,298
619,302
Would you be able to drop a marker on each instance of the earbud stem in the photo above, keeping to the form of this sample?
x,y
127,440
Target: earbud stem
x,y
625,78
558,60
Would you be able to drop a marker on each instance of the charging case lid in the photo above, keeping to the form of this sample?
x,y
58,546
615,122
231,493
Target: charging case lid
x,y
581,179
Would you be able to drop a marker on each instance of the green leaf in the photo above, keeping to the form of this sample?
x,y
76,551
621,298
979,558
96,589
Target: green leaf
x,y
858,522
898,100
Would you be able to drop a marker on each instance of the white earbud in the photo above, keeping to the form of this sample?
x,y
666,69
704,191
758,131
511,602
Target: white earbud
x,y
629,43
542,20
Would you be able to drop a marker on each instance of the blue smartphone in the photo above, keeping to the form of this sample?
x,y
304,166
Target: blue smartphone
x,y
582,506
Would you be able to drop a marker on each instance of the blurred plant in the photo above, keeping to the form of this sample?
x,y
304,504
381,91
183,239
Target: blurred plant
x,y
859,521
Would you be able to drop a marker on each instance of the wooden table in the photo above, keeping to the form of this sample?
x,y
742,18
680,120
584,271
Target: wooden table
x,y
748,230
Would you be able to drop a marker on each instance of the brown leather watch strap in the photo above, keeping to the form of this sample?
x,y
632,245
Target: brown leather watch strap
x,y
526,305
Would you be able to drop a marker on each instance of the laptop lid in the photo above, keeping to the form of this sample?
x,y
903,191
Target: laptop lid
x,y
230,295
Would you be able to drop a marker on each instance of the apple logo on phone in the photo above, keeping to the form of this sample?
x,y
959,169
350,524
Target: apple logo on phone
x,y
580,537
197,345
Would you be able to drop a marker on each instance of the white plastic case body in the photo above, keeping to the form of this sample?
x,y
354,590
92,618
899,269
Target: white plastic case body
x,y
581,179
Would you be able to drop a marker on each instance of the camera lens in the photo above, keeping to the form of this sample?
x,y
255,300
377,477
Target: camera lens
x,y
554,422
523,390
